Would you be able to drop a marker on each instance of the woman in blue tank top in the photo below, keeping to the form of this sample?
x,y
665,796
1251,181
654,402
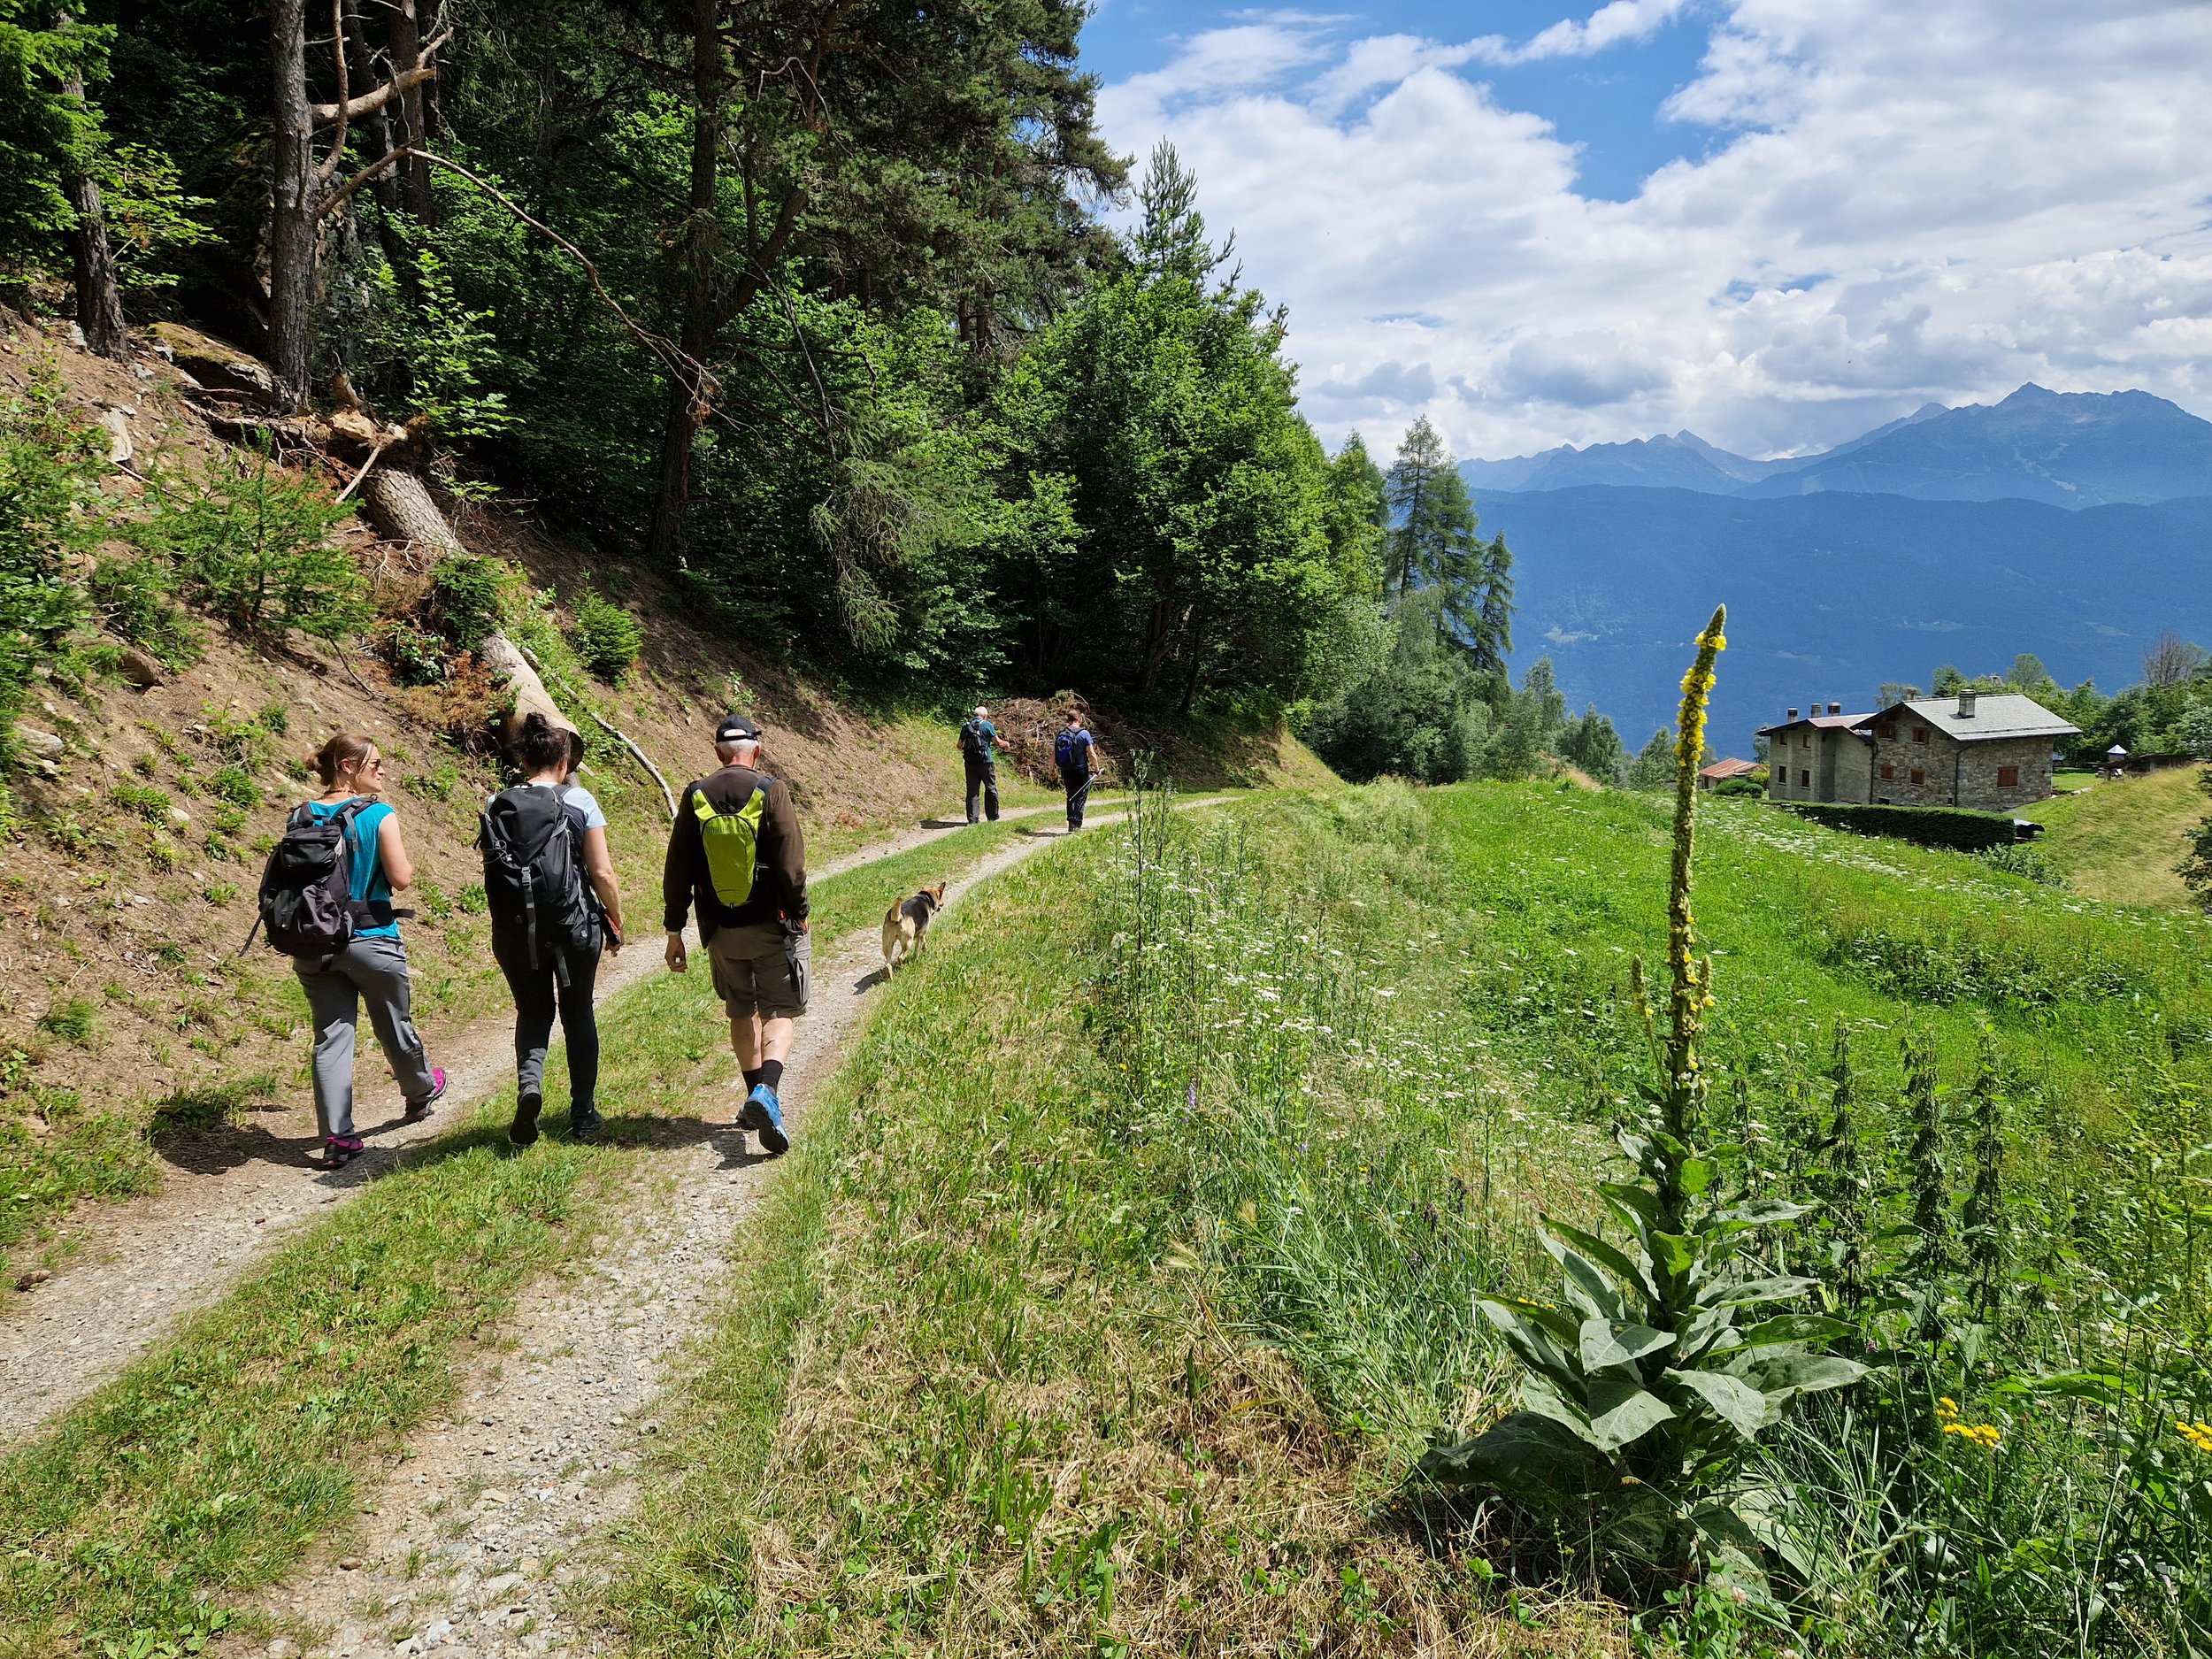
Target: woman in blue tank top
x,y
372,967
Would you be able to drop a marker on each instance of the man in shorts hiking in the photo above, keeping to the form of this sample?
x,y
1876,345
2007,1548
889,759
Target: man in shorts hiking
x,y
736,855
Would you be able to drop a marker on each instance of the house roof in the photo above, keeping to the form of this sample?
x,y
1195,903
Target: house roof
x,y
1996,714
1825,722
1731,767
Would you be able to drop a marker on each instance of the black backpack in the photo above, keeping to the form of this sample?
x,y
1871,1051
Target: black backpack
x,y
971,740
533,869
307,903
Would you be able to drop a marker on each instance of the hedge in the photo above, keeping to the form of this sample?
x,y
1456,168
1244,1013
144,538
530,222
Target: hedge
x,y
1928,826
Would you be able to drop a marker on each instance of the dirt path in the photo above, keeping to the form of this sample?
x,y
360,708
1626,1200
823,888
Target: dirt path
x,y
139,1268
472,1543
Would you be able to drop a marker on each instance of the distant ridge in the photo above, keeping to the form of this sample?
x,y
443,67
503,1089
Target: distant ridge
x,y
2065,449
1830,594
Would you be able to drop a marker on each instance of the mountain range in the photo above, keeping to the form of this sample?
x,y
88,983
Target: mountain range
x,y
2074,526
2069,448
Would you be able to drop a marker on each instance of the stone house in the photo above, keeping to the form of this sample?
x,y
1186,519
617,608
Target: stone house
x,y
1988,751
1820,757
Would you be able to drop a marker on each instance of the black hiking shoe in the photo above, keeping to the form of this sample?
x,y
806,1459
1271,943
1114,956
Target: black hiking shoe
x,y
523,1130
585,1123
340,1150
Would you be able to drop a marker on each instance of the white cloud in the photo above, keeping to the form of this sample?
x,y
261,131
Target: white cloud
x,y
1903,202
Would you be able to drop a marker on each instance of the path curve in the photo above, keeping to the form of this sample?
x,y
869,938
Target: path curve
x,y
139,1268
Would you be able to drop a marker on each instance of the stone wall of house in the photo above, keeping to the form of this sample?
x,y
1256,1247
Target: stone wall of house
x,y
2029,759
1956,773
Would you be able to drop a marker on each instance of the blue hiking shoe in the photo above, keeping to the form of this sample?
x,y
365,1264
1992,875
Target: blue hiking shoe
x,y
762,1114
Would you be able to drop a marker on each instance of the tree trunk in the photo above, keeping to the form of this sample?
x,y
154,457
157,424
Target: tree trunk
x,y
99,306
399,504
385,186
687,396
414,127
294,200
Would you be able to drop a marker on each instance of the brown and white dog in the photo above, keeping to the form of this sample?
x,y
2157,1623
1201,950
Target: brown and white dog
x,y
905,923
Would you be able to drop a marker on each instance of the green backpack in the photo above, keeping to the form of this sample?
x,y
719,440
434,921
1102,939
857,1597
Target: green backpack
x,y
733,843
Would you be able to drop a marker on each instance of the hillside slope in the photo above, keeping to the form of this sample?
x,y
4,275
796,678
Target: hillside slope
x,y
2122,841
128,1023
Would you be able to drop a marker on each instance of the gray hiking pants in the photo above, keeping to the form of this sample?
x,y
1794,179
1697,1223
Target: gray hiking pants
x,y
374,971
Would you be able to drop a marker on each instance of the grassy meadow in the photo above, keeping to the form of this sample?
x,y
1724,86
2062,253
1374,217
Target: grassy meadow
x,y
1132,1264
1136,1265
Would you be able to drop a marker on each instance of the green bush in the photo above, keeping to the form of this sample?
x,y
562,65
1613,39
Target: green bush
x,y
1928,825
253,543
606,636
49,469
149,802
2017,858
470,597
135,599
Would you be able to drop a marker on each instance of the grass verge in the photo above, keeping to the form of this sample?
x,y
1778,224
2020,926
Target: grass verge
x,y
207,1467
998,1374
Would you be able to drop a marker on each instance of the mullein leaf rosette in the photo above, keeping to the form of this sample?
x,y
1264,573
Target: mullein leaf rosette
x,y
1669,1352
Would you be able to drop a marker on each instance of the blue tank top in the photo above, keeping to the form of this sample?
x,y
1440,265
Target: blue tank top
x,y
361,853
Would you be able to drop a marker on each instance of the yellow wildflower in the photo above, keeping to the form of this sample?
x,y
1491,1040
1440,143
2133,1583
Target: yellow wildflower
x,y
1947,1408
2198,1434
1985,1435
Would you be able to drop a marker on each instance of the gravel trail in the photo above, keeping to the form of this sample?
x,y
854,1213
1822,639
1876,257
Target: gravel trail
x,y
139,1268
472,1542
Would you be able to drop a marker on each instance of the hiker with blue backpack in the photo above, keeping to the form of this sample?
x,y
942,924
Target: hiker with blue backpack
x,y
549,886
1072,752
325,902
978,755
737,857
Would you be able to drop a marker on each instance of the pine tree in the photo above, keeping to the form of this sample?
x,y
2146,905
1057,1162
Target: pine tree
x,y
1433,545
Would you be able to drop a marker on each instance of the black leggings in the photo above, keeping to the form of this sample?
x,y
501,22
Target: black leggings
x,y
537,993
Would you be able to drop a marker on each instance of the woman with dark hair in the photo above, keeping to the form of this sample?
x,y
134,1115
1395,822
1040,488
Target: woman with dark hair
x,y
544,842
372,967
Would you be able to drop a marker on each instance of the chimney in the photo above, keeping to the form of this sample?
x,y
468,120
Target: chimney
x,y
1835,707
1966,705
1793,715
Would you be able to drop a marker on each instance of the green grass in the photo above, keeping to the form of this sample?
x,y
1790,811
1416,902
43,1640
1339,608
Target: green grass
x,y
207,1467
1120,1319
981,1387
2120,840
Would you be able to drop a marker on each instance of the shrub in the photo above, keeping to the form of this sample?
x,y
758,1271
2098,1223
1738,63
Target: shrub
x,y
135,600
253,543
50,465
470,598
606,636
1953,827
2016,858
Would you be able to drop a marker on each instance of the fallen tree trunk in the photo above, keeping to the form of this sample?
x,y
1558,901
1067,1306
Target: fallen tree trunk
x,y
400,505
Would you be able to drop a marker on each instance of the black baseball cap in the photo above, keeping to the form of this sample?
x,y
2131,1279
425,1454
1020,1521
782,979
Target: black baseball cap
x,y
734,728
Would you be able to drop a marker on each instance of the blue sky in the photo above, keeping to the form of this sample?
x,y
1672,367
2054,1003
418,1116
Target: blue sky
x,y
1775,222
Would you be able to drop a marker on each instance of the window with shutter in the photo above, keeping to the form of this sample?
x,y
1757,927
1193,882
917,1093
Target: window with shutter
x,y
1919,776
1889,772
2007,777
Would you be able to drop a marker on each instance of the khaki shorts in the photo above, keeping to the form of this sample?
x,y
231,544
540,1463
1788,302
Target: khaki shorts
x,y
761,970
